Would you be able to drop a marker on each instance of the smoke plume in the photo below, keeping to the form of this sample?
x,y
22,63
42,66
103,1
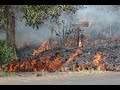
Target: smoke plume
x,y
102,18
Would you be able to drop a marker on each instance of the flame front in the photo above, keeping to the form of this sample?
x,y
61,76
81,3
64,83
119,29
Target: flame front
x,y
46,63
97,59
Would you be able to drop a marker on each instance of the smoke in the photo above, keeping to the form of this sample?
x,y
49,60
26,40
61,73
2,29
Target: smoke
x,y
26,35
2,36
102,18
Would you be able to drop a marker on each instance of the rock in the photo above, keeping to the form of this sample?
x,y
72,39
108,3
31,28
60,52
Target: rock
x,y
39,74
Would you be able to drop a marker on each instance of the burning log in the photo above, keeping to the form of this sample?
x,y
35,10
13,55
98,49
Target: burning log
x,y
71,57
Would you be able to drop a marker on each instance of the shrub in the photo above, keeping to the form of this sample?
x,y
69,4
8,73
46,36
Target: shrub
x,y
6,54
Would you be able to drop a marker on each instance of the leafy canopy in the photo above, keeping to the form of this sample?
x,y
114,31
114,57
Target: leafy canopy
x,y
2,16
34,15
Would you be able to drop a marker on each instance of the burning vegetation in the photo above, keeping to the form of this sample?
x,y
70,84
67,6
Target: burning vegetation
x,y
65,59
72,52
47,63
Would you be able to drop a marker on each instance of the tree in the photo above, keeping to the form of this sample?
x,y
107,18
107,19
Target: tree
x,y
10,32
7,23
34,15
2,17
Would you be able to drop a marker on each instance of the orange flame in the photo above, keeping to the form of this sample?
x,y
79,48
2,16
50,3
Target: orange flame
x,y
42,48
36,65
71,57
81,43
41,64
97,59
33,63
56,63
10,68
101,67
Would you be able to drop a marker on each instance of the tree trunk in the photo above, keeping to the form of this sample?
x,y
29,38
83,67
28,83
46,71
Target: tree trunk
x,y
10,32
78,36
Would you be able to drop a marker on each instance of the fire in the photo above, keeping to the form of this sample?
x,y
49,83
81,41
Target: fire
x,y
42,48
97,59
71,57
49,44
33,63
54,65
102,67
47,63
10,67
81,43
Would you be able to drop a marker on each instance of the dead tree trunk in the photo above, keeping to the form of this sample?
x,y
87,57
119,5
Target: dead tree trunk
x,y
10,32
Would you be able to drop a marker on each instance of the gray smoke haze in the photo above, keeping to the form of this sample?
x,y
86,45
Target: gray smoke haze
x,y
2,35
102,18
28,35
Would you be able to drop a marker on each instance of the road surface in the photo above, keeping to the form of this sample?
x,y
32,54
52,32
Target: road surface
x,y
71,78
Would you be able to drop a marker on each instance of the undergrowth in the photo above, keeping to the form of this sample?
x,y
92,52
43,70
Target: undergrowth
x,y
5,73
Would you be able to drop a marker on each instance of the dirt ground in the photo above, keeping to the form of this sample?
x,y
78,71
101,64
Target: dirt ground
x,y
66,78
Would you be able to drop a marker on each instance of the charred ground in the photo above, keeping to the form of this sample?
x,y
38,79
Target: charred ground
x,y
102,54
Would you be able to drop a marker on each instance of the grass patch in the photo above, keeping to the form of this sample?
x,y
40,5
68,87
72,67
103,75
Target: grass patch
x,y
93,71
5,73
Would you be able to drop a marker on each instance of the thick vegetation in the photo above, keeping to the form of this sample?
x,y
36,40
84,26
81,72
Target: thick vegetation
x,y
6,54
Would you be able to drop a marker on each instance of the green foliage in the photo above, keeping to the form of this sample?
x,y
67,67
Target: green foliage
x,y
2,16
5,73
36,14
6,54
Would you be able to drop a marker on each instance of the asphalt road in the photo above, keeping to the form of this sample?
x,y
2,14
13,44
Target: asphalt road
x,y
105,78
